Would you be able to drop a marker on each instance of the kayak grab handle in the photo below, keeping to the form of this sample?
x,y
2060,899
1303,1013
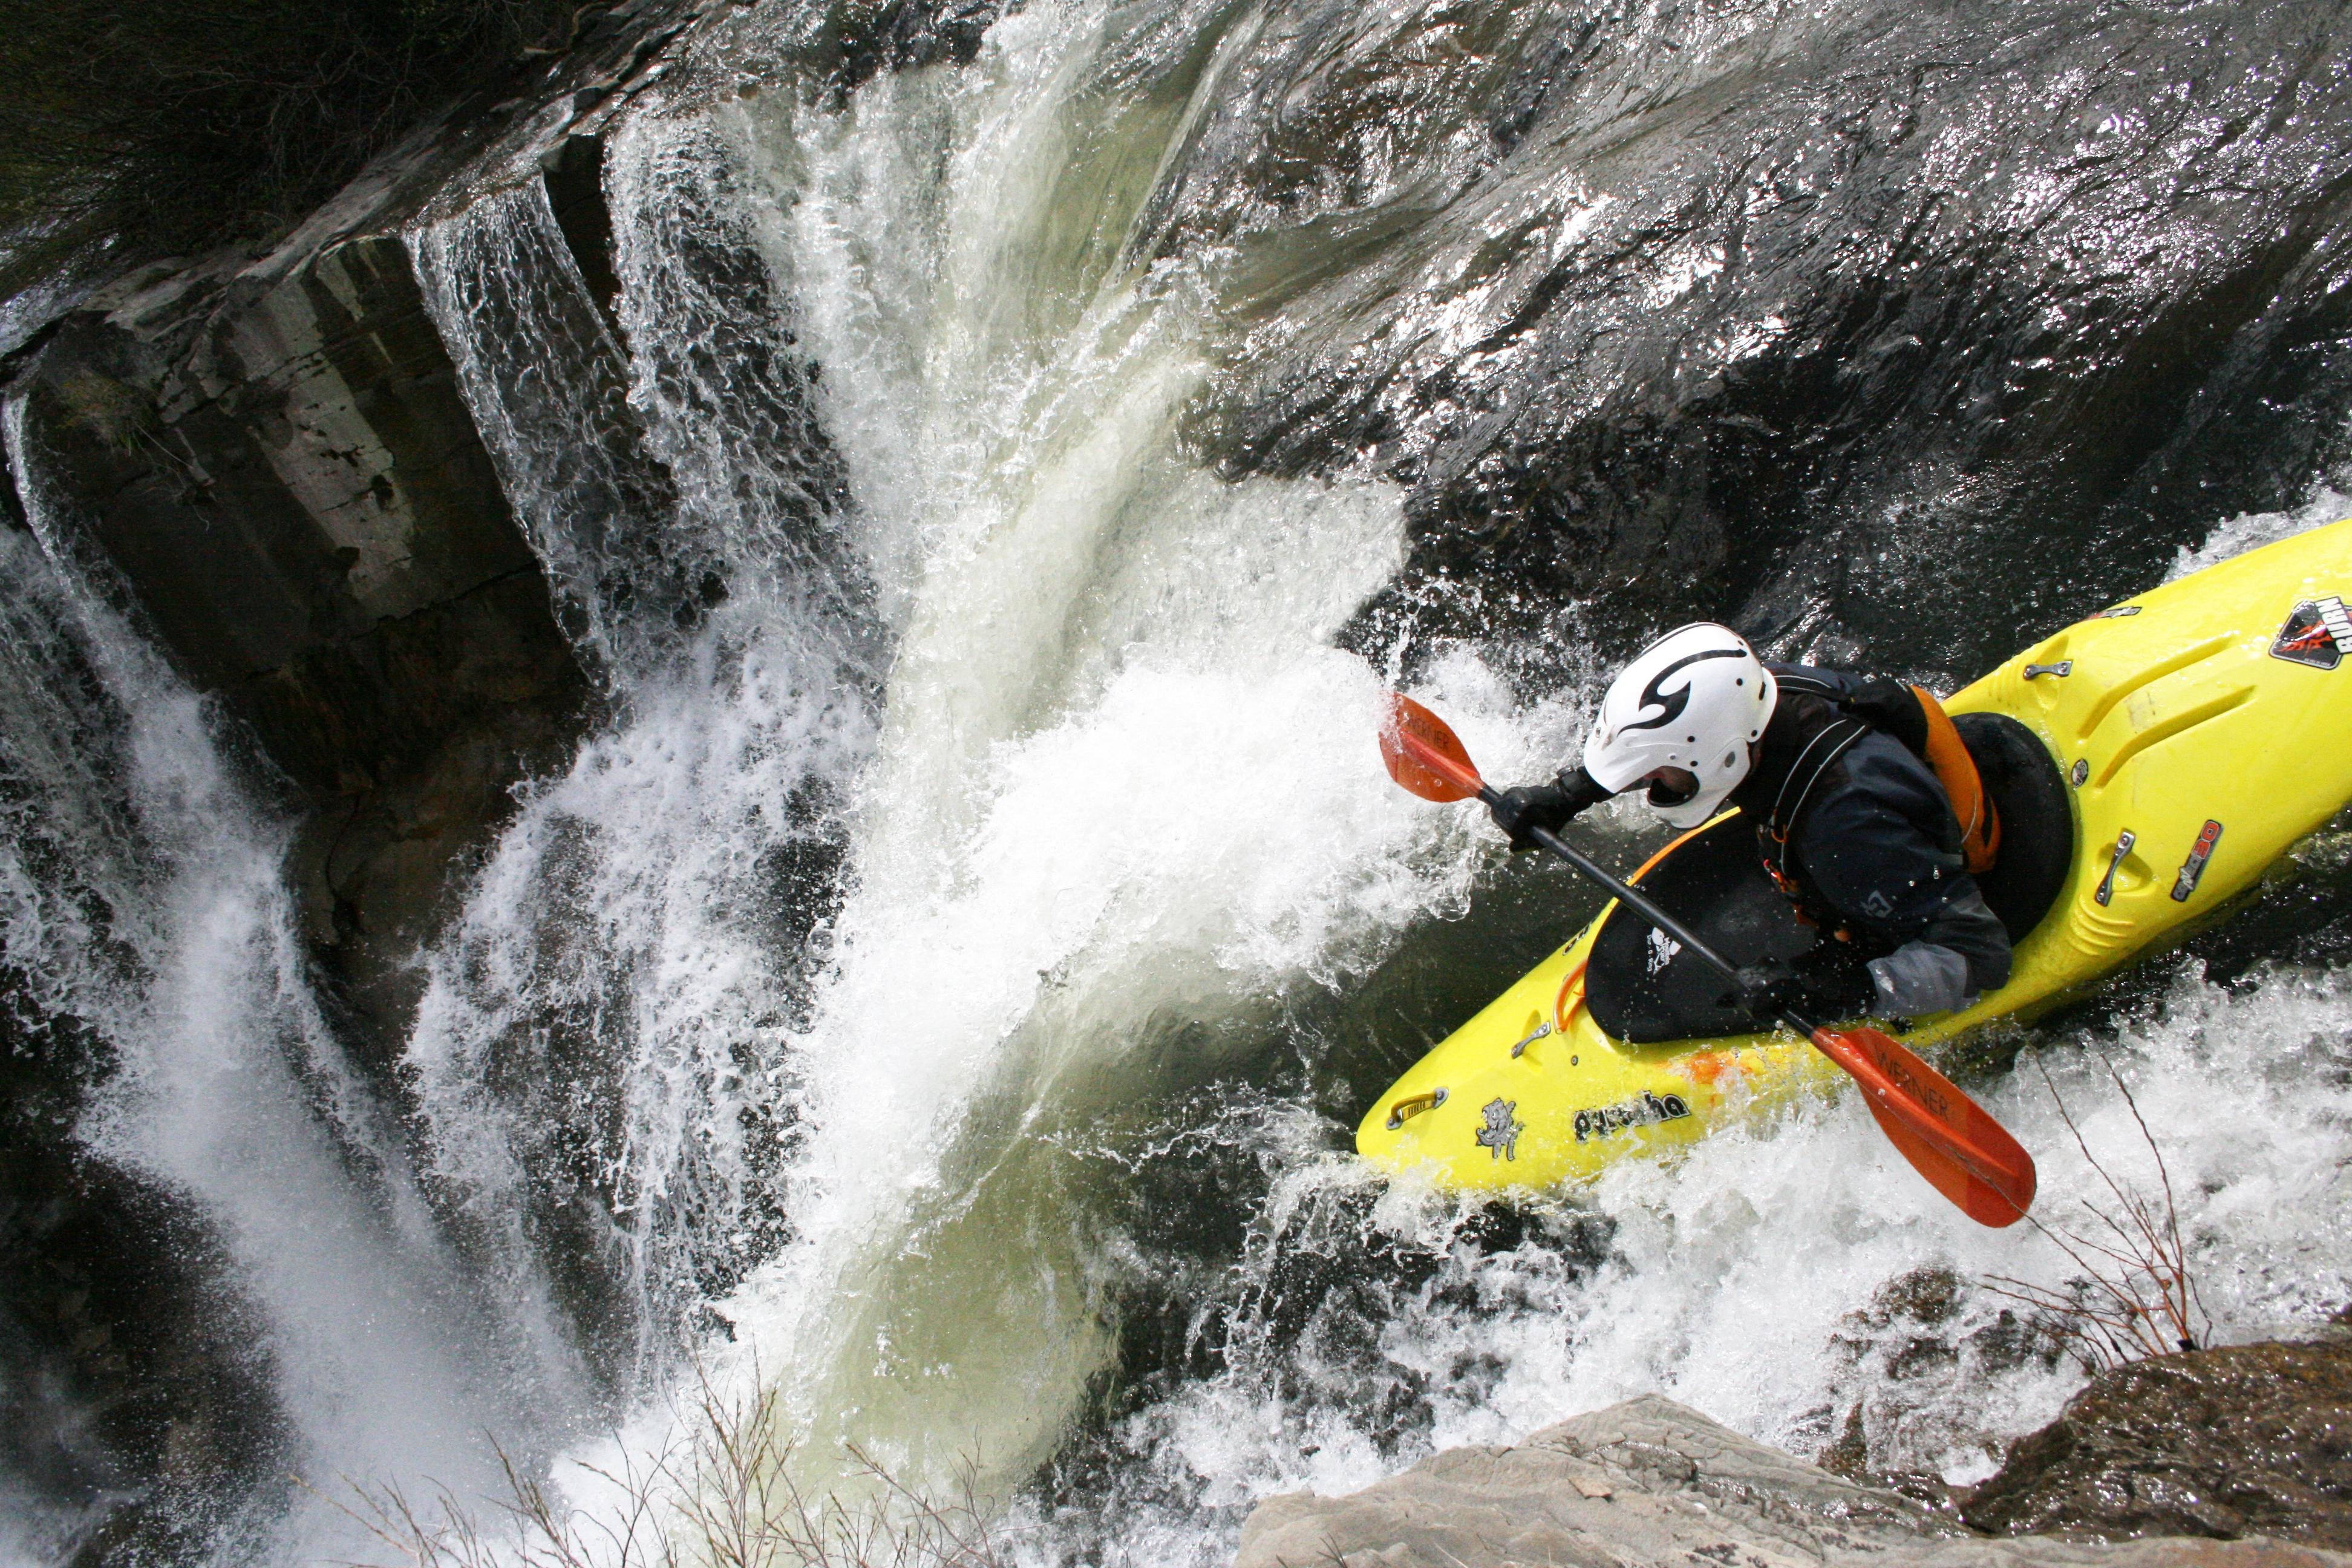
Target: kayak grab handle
x,y
1412,1105
2062,669
2107,883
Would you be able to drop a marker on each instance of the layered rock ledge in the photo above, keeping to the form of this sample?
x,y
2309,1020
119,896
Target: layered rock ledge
x,y
1653,1484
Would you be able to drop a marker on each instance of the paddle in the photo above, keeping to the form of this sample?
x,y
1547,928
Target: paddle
x,y
1964,1153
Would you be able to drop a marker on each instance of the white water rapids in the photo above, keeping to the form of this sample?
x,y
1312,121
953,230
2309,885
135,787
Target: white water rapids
x,y
1118,872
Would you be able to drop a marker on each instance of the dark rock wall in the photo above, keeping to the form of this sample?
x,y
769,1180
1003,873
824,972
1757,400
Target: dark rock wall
x,y
1845,323
265,456
268,447
291,487
288,491
136,1386
267,459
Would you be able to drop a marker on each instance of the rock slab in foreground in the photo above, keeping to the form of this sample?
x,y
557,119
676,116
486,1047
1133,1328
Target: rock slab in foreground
x,y
1651,1484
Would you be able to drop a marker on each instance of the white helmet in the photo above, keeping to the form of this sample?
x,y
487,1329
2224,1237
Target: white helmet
x,y
1694,699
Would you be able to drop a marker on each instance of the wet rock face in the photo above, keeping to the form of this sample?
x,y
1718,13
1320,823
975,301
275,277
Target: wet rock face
x,y
269,452
1814,316
287,482
290,500
1651,1482
899,33
2250,1440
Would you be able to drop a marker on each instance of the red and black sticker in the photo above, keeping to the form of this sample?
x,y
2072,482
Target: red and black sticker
x,y
2192,869
2318,634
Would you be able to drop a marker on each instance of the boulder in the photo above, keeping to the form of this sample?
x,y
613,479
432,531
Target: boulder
x,y
1653,1484
2244,1440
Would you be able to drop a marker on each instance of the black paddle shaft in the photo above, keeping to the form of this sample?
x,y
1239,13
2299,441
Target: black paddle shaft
x,y
1641,904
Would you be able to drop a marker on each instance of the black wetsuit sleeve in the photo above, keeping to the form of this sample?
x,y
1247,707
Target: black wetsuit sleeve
x,y
1880,847
1581,790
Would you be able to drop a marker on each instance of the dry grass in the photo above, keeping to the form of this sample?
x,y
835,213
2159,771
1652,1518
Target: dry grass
x,y
721,1497
2132,1296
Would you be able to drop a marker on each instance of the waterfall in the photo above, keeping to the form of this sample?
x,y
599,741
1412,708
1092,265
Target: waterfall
x,y
602,1053
1109,706
1107,872
940,984
144,907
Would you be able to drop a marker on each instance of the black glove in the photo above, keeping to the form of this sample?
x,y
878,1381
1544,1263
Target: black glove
x,y
1550,806
1836,979
1769,989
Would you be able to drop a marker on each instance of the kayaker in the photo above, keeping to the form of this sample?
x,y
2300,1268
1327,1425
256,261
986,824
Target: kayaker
x,y
1852,823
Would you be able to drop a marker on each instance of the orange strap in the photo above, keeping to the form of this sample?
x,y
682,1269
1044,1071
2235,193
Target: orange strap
x,y
1956,771
1562,1009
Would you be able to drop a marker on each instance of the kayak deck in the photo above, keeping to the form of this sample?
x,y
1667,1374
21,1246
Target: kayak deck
x,y
2203,727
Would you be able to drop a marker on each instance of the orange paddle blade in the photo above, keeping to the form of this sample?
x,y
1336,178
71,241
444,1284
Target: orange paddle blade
x,y
1948,1137
1424,755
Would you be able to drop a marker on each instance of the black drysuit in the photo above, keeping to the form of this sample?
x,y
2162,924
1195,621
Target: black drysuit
x,y
1870,843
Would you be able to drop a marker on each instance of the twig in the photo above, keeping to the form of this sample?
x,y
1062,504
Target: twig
x,y
2105,1317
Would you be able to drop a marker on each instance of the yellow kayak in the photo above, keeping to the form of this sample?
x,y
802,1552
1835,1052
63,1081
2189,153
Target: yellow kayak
x,y
2149,765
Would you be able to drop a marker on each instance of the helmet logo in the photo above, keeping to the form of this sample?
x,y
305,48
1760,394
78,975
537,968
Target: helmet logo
x,y
1674,704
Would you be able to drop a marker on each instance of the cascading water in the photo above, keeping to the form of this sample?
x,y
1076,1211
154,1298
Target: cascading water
x,y
599,1052
943,985
1116,852
145,911
1075,609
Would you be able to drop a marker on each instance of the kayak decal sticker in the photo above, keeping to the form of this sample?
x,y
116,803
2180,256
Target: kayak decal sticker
x,y
1500,1136
1603,1119
1663,948
2192,869
2318,634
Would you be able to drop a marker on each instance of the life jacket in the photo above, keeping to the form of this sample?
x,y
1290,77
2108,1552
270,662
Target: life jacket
x,y
1827,726
1928,731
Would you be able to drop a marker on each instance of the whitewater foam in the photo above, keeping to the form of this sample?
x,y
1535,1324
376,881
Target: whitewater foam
x,y
1120,774
2251,529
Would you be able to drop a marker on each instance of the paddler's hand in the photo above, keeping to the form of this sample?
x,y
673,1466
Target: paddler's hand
x,y
1767,990
1548,806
